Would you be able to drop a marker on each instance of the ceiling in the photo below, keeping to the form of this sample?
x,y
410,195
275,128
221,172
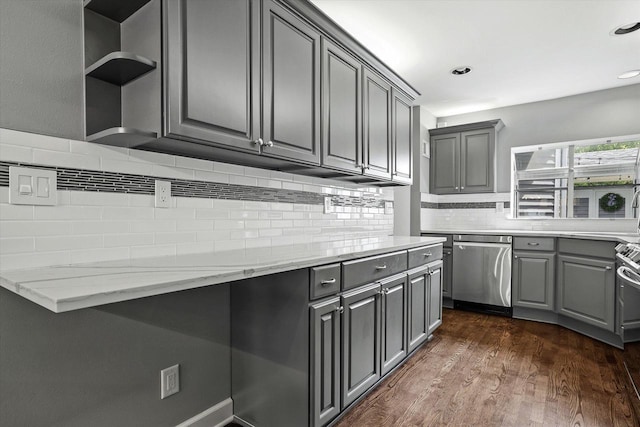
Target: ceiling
x,y
520,50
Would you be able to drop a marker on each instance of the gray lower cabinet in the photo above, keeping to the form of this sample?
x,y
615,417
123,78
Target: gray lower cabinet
x,y
435,296
205,39
326,330
393,340
447,269
586,290
425,303
360,341
533,280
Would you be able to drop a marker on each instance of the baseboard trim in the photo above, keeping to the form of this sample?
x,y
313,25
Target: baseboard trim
x,y
218,415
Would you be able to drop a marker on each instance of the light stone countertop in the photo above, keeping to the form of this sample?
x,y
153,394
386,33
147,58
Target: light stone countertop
x,y
587,235
73,287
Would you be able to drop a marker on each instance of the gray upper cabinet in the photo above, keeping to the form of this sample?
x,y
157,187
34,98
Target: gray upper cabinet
x,y
213,71
377,126
463,158
291,112
263,83
402,141
342,109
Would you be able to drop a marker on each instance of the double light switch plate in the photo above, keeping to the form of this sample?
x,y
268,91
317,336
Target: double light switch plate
x,y
32,186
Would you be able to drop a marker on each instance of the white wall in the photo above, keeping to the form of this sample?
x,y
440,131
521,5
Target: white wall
x,y
88,226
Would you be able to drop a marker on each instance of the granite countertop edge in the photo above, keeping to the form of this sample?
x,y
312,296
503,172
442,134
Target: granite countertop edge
x,y
77,286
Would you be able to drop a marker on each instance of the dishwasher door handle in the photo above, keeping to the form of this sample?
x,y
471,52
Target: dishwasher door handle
x,y
468,245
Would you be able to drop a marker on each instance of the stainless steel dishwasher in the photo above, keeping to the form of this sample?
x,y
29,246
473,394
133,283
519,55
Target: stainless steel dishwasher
x,y
482,273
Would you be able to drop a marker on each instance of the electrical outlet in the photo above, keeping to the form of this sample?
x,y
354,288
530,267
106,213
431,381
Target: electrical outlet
x,y
169,381
31,186
163,194
328,207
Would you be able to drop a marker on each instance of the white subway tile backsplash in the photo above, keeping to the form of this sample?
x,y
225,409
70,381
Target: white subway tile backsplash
x,y
17,245
59,243
88,226
16,153
65,159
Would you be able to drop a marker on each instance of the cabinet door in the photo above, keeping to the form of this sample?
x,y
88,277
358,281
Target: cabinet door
x,y
360,341
418,304
325,362
213,71
401,126
444,164
291,105
377,126
533,280
586,290
394,322
447,268
435,296
477,161
342,109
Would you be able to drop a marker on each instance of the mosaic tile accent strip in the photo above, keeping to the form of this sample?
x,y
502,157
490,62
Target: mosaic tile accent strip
x,y
112,182
462,205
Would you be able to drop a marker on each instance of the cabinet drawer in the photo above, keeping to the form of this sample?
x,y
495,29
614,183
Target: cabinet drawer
x,y
534,243
591,248
324,281
424,255
367,270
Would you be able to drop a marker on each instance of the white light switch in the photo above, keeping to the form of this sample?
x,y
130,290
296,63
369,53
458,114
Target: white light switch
x,y
30,186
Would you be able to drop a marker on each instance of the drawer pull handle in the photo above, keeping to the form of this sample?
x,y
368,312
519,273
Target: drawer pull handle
x,y
381,267
608,267
447,252
340,309
515,256
533,244
328,282
428,254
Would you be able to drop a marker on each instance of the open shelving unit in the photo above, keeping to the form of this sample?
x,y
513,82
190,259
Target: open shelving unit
x,y
112,71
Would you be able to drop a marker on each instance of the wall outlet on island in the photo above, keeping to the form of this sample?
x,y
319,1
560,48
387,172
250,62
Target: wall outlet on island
x,y
163,194
169,381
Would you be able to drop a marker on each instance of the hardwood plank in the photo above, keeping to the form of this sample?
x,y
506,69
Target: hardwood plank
x,y
495,371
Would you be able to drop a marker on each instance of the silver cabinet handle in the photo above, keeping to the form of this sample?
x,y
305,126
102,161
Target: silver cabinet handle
x,y
381,267
457,188
386,291
461,247
269,144
533,244
428,254
608,267
462,188
259,142
447,252
340,309
328,282
515,256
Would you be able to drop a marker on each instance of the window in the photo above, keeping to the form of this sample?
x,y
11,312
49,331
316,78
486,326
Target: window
x,y
578,179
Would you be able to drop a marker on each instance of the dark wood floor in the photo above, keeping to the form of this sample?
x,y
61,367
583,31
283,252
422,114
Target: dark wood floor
x,y
483,370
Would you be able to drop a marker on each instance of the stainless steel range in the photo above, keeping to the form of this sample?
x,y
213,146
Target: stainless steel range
x,y
628,286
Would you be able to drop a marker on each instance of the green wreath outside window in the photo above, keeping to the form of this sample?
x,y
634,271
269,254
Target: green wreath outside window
x,y
611,202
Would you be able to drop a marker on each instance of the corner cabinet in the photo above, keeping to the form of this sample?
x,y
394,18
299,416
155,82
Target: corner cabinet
x,y
463,158
586,282
264,83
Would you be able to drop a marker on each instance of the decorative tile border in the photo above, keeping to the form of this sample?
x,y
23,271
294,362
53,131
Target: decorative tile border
x,y
462,205
112,182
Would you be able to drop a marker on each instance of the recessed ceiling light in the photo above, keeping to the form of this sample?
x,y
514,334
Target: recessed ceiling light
x,y
625,29
629,74
461,71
